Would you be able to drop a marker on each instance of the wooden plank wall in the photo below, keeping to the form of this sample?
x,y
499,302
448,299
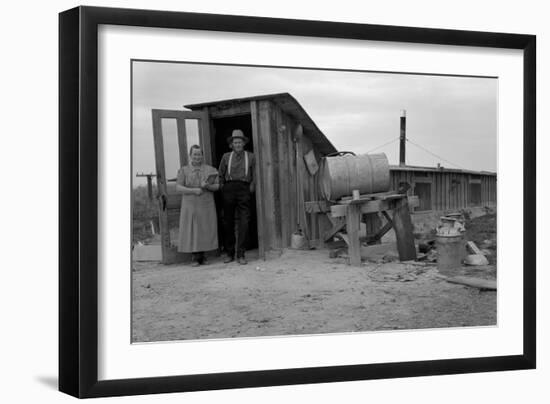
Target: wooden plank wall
x,y
488,189
283,207
284,162
276,153
287,197
450,190
263,148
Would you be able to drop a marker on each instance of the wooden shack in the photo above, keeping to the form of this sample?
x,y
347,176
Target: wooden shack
x,y
287,145
442,189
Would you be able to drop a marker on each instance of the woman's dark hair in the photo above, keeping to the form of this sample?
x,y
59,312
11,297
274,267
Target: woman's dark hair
x,y
195,146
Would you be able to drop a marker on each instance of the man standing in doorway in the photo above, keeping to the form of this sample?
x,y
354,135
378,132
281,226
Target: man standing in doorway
x,y
237,182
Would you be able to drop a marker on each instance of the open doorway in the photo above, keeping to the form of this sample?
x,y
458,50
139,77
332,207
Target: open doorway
x,y
222,130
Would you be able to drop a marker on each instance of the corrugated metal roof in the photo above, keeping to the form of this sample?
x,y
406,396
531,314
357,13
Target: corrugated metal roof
x,y
290,106
440,170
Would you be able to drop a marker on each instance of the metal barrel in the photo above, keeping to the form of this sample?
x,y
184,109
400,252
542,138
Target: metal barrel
x,y
450,252
340,175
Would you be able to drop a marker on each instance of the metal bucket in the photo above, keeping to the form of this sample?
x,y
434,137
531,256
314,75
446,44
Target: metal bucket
x,y
340,175
450,252
298,241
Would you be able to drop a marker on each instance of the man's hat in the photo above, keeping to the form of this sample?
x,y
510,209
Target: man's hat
x,y
237,134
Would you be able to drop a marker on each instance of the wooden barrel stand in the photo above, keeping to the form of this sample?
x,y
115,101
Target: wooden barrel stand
x,y
348,213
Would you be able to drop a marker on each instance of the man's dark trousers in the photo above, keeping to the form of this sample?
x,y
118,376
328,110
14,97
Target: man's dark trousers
x,y
236,203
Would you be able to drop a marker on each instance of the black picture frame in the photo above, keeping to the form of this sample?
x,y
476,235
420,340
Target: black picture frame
x,y
78,196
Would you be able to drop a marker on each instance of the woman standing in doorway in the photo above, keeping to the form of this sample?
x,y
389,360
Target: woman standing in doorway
x,y
198,229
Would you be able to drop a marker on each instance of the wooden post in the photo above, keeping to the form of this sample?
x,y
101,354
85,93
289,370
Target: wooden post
x,y
402,137
403,227
353,218
149,184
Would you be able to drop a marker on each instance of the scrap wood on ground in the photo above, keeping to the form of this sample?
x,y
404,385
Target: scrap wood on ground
x,y
483,284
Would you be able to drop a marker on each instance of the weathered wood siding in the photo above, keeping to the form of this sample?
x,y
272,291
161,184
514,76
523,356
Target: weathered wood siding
x,y
450,190
281,209
315,224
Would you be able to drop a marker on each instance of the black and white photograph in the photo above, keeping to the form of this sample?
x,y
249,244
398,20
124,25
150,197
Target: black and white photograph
x,y
272,201
275,202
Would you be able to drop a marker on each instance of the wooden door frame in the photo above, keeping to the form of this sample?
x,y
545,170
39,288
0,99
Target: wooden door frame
x,y
169,255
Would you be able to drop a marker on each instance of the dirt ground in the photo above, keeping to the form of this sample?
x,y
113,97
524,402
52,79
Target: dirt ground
x,y
301,292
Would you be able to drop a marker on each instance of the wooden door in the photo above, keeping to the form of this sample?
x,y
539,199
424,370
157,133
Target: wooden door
x,y
174,132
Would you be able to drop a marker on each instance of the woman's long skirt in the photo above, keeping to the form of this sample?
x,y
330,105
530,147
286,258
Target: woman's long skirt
x,y
198,229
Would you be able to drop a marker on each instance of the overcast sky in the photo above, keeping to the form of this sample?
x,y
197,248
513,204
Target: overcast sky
x,y
452,117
